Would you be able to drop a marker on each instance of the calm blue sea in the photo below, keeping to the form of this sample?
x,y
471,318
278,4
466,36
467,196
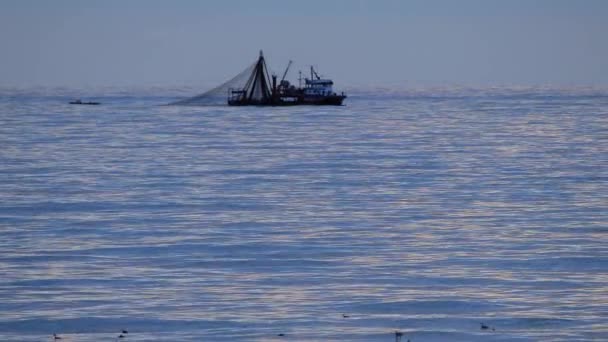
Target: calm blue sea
x,y
426,211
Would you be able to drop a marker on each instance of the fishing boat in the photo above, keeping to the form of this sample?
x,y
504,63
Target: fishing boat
x,y
262,90
80,102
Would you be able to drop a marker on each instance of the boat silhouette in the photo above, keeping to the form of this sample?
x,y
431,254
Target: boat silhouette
x,y
80,102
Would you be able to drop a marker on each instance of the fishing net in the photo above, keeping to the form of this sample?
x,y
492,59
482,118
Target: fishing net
x,y
257,88
219,94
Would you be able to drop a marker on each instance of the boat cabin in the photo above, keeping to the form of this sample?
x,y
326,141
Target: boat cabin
x,y
318,87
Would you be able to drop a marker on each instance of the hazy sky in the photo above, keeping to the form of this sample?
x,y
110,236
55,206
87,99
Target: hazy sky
x,y
356,42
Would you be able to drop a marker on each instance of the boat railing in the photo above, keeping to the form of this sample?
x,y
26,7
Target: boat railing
x,y
236,94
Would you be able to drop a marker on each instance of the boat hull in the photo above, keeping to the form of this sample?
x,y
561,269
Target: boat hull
x,y
330,100
85,103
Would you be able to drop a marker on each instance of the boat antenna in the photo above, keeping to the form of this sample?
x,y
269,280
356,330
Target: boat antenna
x,y
300,79
312,71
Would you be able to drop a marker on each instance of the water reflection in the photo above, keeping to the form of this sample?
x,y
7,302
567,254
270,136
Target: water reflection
x,y
426,215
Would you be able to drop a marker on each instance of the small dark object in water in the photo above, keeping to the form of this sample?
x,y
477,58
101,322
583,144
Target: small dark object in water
x,y
398,335
79,102
125,332
121,336
345,316
484,327
56,337
281,334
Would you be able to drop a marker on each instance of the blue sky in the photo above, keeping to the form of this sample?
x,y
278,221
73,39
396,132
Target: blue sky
x,y
358,42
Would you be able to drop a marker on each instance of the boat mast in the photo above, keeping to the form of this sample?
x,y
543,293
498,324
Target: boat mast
x,y
286,70
257,85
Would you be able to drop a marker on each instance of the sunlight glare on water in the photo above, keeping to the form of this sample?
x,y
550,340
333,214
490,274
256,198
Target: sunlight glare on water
x,y
416,211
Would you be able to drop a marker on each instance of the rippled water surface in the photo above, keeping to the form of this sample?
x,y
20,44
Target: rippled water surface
x,y
416,212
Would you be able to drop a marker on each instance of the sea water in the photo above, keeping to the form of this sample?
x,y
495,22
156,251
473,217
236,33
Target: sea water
x,y
422,211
